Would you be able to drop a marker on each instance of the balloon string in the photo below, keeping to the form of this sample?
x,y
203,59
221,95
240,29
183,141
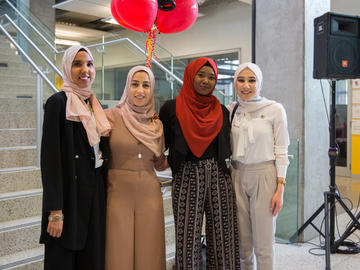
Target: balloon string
x,y
150,46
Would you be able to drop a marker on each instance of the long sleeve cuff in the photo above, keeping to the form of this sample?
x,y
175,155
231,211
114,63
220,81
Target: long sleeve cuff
x,y
281,170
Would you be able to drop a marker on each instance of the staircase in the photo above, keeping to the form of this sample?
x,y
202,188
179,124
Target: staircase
x,y
20,179
20,182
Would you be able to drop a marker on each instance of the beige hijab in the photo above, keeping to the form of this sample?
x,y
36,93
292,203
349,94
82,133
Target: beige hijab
x,y
142,122
76,108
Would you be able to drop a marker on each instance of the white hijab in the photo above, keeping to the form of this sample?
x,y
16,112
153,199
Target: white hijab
x,y
243,121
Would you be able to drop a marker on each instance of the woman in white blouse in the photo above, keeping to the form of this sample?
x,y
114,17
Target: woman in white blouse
x,y
260,140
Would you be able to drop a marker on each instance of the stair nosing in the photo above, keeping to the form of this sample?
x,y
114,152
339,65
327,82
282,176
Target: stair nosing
x,y
12,225
13,148
19,169
22,262
20,194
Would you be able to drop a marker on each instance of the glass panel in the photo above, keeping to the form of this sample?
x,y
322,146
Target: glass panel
x,y
341,122
31,51
8,7
42,28
287,221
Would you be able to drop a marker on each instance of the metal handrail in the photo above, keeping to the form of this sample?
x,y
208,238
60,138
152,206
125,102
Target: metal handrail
x,y
32,63
33,45
40,76
171,74
32,26
163,68
139,49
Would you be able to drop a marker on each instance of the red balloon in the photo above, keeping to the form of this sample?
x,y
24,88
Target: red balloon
x,y
179,19
138,15
118,19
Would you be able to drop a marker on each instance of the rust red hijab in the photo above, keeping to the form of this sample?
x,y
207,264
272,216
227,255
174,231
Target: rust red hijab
x,y
200,117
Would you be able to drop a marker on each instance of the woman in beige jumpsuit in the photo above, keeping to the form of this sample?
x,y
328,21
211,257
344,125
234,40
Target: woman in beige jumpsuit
x,y
135,237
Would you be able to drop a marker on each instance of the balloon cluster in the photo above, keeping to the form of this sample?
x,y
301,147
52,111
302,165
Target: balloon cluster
x,y
150,16
169,16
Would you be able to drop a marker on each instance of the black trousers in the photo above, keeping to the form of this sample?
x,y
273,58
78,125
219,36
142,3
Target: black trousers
x,y
92,256
202,187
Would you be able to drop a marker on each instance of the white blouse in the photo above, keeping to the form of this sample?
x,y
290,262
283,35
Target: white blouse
x,y
261,136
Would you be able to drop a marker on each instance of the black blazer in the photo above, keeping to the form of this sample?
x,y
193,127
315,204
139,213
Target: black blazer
x,y
175,141
68,173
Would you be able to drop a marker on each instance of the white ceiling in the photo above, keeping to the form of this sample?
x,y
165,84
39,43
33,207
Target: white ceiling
x,y
99,8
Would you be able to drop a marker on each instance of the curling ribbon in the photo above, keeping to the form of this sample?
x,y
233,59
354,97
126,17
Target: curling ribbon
x,y
150,45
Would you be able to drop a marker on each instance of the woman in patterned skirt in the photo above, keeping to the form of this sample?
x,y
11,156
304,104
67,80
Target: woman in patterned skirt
x,y
197,133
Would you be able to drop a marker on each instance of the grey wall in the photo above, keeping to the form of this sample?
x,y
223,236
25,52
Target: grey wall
x,y
43,10
284,51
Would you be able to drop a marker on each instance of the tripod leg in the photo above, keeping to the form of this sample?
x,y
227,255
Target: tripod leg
x,y
295,236
351,228
327,234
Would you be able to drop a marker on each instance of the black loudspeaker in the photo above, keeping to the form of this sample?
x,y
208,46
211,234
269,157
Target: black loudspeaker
x,y
336,46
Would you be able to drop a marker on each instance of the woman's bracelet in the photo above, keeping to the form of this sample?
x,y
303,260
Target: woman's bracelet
x,y
281,181
56,217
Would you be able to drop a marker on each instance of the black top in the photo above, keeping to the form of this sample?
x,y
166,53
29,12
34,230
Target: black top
x,y
179,151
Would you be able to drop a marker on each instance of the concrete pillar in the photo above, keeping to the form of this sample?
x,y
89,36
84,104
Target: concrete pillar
x,y
284,51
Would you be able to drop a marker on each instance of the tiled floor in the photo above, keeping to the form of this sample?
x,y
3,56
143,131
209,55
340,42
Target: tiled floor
x,y
298,257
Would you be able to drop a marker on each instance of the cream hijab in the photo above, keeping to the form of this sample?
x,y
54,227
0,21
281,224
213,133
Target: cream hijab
x,y
245,134
142,122
76,108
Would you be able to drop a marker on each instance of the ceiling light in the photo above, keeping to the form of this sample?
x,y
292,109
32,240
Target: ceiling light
x,y
109,20
66,42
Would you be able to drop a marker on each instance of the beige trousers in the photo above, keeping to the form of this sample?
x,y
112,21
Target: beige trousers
x,y
135,234
255,184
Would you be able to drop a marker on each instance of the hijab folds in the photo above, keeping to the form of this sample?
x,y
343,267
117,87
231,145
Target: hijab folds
x,y
76,108
200,117
241,139
142,121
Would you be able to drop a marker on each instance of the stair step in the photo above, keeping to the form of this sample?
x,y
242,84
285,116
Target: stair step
x,y
19,235
3,41
20,204
167,202
21,156
14,120
27,259
20,179
17,95
170,256
14,68
33,259
18,89
9,55
169,230
17,137
18,105
20,78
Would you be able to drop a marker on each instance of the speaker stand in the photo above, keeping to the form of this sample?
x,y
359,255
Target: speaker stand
x,y
332,246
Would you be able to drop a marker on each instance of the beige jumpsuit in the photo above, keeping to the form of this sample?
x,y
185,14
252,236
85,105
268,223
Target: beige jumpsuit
x,y
135,236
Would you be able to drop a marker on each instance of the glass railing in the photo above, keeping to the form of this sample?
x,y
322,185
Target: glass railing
x,y
287,221
112,63
31,35
25,12
115,55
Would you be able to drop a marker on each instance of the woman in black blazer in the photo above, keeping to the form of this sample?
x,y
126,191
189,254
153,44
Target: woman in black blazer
x,y
73,166
197,133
